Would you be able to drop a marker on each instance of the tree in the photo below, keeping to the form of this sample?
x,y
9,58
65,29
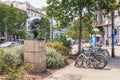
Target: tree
x,y
87,27
64,11
12,18
46,26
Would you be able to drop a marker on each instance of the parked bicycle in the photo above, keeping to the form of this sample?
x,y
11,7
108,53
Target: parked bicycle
x,y
98,50
90,58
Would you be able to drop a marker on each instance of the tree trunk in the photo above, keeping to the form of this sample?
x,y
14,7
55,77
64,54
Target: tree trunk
x,y
80,29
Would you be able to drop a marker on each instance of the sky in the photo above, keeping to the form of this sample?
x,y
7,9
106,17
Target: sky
x,y
36,3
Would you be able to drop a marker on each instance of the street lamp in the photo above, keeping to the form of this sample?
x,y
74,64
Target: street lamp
x,y
112,20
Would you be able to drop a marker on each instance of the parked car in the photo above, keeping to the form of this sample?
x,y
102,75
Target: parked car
x,y
20,41
8,44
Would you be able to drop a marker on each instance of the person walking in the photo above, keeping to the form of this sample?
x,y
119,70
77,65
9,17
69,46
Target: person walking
x,y
107,42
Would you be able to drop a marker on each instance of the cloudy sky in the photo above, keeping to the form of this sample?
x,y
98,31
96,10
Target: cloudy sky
x,y
36,3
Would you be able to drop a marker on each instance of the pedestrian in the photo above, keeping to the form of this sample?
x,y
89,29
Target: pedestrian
x,y
107,42
101,42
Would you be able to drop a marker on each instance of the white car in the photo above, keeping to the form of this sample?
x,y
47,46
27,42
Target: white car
x,y
8,44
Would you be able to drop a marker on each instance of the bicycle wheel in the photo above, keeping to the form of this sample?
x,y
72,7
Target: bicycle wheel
x,y
78,61
106,53
100,62
86,63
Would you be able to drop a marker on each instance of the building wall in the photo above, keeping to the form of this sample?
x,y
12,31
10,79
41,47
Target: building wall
x,y
105,23
20,5
25,6
107,33
117,25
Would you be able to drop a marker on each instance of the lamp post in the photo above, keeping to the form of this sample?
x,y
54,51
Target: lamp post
x,y
112,35
113,31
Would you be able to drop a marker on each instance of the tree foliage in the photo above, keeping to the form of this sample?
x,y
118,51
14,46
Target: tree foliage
x,y
65,12
12,18
87,27
46,26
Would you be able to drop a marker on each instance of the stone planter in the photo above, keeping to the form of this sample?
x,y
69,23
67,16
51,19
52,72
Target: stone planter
x,y
35,54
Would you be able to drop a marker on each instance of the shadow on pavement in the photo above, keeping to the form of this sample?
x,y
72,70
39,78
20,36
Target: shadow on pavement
x,y
114,62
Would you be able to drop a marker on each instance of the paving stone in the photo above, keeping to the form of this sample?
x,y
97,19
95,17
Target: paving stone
x,y
70,77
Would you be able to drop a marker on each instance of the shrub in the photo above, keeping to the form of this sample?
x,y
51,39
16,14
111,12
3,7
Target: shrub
x,y
59,47
1,60
63,39
54,59
17,72
11,63
14,55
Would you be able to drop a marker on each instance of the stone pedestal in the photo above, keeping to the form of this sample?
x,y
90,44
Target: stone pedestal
x,y
35,54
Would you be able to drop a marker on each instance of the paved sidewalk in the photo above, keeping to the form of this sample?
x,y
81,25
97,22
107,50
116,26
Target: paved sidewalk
x,y
111,72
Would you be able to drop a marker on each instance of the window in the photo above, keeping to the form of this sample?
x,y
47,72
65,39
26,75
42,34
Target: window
x,y
28,12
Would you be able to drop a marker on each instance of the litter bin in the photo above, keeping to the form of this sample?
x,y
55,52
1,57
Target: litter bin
x,y
97,38
94,40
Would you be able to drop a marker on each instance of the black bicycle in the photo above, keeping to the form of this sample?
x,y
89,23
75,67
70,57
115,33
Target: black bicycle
x,y
89,58
98,50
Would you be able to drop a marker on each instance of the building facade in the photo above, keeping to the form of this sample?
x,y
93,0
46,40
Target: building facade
x,y
104,24
26,6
